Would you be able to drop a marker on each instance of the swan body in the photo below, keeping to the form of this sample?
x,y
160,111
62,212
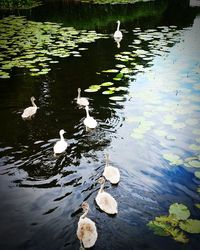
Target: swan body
x,y
89,121
86,231
30,111
82,100
111,173
60,145
118,33
104,200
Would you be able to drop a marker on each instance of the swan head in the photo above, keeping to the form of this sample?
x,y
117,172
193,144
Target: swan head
x,y
106,156
118,21
79,90
85,206
62,132
33,98
101,180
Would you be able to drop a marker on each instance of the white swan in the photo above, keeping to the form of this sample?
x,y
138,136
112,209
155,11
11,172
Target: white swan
x,y
30,111
111,173
89,121
60,145
83,101
104,200
118,33
86,231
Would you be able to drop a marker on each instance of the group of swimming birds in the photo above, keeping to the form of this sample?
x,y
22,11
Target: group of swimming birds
x,y
86,230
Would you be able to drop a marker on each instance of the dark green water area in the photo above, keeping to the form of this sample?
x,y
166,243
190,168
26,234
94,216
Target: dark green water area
x,y
144,92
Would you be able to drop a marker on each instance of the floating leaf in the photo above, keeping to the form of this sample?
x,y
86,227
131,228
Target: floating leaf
x,y
173,159
180,211
190,226
158,230
110,71
197,205
117,98
197,174
194,163
105,84
194,147
108,92
93,88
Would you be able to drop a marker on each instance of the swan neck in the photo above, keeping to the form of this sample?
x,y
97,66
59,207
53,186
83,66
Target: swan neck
x,y
79,94
106,161
62,137
101,188
33,103
87,112
84,214
118,26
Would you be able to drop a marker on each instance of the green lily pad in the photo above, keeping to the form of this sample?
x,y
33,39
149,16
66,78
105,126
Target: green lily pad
x,y
173,159
117,98
110,71
180,211
105,84
197,174
93,88
194,163
108,92
190,226
197,205
194,147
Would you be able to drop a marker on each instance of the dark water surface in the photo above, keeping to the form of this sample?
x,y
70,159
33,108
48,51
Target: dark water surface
x,y
40,195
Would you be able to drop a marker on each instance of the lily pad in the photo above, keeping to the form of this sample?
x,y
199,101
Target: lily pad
x,y
180,211
173,159
190,226
105,84
93,88
197,174
108,92
110,71
194,163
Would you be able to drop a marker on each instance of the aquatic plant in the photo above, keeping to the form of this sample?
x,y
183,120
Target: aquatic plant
x,y
33,46
19,4
114,1
175,224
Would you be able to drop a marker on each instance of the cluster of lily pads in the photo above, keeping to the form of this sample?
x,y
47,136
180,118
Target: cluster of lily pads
x,y
176,223
19,4
34,46
132,62
113,1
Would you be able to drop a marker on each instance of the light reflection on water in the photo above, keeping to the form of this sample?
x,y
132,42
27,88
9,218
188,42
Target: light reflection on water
x,y
43,193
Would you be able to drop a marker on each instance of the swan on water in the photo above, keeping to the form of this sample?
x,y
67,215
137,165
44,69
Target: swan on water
x,y
83,101
118,33
60,145
89,121
30,111
111,173
104,200
86,231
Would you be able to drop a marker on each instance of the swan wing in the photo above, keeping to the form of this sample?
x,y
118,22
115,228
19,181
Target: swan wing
x,y
83,101
28,112
90,122
112,174
60,147
106,202
118,34
87,232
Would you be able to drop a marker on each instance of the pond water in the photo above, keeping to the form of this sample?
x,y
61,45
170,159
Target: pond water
x,y
148,122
